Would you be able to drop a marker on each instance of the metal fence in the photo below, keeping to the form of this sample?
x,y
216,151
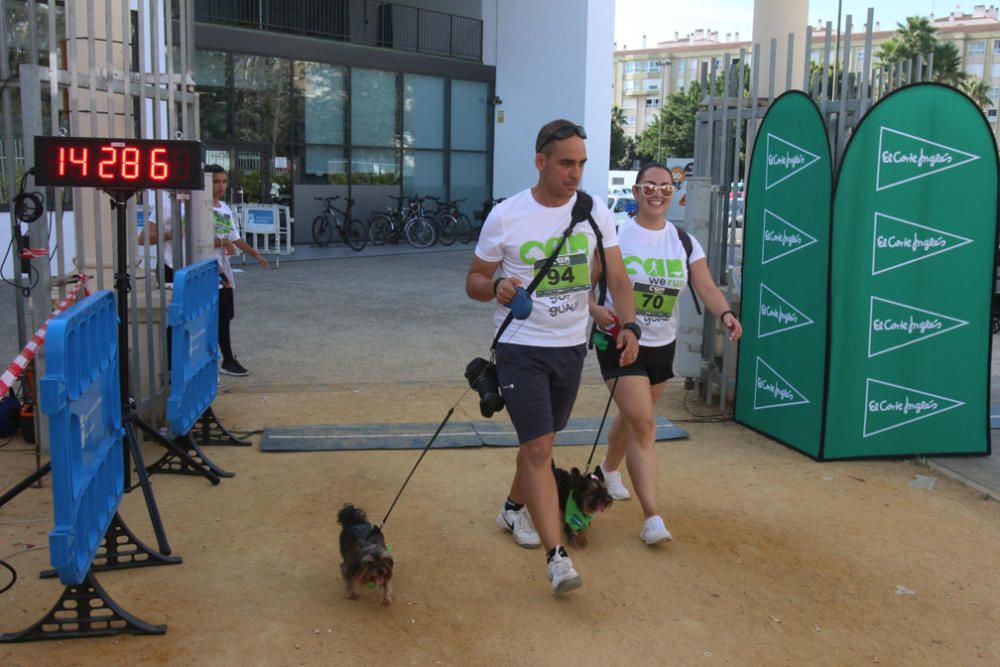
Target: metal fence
x,y
727,123
69,82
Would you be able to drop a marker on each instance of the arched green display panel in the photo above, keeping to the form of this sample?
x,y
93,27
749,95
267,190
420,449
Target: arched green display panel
x,y
912,272
785,272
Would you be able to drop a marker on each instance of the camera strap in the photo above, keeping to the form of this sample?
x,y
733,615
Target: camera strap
x,y
581,211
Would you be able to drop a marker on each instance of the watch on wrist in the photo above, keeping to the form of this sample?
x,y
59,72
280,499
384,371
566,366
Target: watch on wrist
x,y
634,328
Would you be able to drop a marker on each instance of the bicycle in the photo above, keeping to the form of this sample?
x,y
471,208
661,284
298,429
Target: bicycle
x,y
352,231
418,229
452,224
387,225
481,216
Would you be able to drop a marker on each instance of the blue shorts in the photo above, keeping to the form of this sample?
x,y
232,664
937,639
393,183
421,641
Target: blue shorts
x,y
539,386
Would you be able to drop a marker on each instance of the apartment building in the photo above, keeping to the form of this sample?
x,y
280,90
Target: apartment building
x,y
644,77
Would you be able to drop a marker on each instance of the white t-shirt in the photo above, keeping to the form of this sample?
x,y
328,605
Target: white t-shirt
x,y
225,228
656,264
520,233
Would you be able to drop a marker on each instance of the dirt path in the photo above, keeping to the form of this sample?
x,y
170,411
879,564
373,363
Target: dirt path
x,y
777,560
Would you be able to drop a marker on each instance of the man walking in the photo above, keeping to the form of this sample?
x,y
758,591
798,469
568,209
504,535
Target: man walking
x,y
540,359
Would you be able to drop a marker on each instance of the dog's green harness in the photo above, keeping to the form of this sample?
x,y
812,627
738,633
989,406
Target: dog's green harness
x,y
574,517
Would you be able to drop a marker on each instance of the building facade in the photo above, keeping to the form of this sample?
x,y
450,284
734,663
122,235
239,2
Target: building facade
x,y
643,78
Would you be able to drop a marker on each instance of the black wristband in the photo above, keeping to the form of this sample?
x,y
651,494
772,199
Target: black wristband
x,y
634,328
722,317
496,283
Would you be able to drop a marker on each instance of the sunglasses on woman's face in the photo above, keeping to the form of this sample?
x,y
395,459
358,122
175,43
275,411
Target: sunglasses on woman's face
x,y
650,189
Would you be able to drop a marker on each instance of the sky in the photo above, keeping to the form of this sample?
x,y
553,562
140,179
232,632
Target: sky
x,y
658,20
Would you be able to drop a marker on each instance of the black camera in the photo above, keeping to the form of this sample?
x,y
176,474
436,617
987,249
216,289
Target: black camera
x,y
482,376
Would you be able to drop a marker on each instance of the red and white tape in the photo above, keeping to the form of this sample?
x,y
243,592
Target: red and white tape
x,y
22,360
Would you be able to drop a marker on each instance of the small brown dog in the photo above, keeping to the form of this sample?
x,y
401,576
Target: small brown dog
x,y
584,495
366,560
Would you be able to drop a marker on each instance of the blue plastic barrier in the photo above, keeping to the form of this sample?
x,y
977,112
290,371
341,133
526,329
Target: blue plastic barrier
x,y
81,395
193,316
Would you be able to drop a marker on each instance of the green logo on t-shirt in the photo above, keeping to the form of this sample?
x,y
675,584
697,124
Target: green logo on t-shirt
x,y
532,251
655,267
223,223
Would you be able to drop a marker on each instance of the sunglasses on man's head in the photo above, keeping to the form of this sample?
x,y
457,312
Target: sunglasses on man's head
x,y
560,133
650,189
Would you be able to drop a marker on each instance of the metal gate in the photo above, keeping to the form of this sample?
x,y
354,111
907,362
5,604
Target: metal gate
x,y
95,68
725,127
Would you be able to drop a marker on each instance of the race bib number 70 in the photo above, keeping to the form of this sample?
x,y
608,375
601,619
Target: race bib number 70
x,y
654,300
568,274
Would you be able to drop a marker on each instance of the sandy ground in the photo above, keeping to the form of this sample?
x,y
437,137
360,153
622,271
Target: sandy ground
x,y
777,560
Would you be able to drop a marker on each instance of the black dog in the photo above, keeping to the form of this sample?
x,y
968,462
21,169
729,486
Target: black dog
x,y
366,560
585,495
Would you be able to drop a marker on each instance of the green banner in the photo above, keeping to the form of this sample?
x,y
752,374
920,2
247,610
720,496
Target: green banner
x,y
785,249
914,238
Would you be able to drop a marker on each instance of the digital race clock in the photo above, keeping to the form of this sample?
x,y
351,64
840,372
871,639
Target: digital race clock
x,y
118,164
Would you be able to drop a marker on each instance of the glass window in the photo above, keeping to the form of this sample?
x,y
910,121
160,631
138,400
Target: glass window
x,y
423,112
629,66
325,164
469,115
996,46
977,48
974,69
374,166
423,174
373,107
469,180
218,157
629,85
262,99
321,99
210,68
214,112
651,84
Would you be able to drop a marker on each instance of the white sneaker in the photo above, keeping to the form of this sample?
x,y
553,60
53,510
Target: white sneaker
x,y
520,524
562,575
654,532
613,480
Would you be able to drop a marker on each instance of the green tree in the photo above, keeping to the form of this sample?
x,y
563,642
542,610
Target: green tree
x,y
672,131
619,142
978,91
916,38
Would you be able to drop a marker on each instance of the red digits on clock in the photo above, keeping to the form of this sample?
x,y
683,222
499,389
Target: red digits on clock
x,y
158,170
108,162
130,163
80,160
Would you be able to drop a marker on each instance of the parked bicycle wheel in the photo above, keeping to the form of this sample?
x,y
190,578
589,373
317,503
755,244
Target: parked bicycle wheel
x,y
464,228
322,231
447,229
355,234
420,232
378,229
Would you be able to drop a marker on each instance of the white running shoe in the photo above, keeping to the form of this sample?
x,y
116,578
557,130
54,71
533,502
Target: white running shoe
x,y
520,524
613,480
562,575
654,532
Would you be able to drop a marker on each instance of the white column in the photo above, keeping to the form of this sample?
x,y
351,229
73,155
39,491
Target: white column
x,y
554,60
774,19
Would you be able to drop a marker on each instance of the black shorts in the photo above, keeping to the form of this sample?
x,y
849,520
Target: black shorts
x,y
656,363
539,386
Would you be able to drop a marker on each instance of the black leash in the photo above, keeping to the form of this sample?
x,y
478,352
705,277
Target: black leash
x,y
600,428
430,442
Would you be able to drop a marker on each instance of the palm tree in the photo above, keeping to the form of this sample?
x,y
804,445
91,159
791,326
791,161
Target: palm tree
x,y
978,91
948,64
916,36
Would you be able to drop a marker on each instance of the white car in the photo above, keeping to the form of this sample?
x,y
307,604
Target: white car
x,y
620,206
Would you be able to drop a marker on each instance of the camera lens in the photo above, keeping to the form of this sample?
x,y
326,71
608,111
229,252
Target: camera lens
x,y
482,376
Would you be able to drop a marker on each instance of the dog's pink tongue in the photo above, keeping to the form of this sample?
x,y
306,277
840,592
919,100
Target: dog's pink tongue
x,y
379,580
600,508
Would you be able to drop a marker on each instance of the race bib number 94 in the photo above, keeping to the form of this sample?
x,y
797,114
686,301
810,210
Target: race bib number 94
x,y
568,274
655,300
